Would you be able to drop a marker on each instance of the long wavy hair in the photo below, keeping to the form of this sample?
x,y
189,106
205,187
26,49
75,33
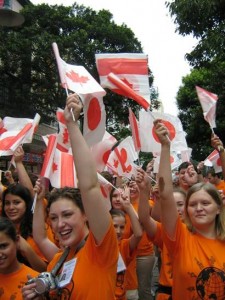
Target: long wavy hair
x,y
25,228
220,218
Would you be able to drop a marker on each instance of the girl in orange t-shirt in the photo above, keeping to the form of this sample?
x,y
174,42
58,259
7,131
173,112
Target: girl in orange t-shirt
x,y
82,223
16,206
197,247
13,274
127,247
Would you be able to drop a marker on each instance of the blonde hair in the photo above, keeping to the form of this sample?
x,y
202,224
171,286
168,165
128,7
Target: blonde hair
x,y
220,218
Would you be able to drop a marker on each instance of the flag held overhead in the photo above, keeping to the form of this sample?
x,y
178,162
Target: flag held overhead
x,y
130,93
208,102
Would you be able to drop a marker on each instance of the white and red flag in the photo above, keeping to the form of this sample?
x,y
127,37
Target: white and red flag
x,y
121,159
76,78
63,171
16,131
58,166
125,74
80,81
213,160
135,130
149,139
63,141
51,142
94,119
208,102
101,151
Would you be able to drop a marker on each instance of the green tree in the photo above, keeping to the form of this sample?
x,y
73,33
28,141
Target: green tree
x,y
30,76
205,20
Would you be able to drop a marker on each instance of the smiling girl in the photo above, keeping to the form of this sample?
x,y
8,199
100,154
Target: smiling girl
x,y
13,274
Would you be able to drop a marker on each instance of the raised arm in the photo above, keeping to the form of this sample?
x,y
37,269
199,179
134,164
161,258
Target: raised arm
x,y
169,212
23,176
47,247
135,224
97,214
218,145
146,220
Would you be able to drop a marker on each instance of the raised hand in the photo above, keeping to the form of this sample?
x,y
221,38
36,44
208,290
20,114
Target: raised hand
x,y
161,132
73,105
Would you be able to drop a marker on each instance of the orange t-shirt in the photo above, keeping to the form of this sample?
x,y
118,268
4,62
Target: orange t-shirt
x,y
221,186
11,284
131,282
165,275
198,265
128,257
94,275
145,247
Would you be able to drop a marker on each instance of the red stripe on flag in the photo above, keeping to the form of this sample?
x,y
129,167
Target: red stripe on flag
x,y
122,66
67,170
7,143
48,154
135,130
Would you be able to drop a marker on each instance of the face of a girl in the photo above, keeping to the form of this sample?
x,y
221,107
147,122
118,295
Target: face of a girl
x,y
180,203
8,259
116,196
202,210
15,208
134,190
68,222
119,226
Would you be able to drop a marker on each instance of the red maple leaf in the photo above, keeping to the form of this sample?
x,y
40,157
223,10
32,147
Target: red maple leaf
x,y
76,78
54,167
65,136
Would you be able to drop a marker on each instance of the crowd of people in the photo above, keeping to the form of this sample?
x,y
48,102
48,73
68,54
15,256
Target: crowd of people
x,y
73,247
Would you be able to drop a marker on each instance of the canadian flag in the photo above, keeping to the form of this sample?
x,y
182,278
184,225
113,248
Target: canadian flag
x,y
50,142
208,102
149,139
213,160
79,80
121,159
101,151
76,78
63,141
94,119
135,130
16,131
63,171
125,74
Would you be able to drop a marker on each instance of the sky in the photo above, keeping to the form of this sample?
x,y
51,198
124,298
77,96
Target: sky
x,y
153,27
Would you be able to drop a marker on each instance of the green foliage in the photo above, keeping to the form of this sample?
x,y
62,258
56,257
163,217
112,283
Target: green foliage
x,y
205,20
30,74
